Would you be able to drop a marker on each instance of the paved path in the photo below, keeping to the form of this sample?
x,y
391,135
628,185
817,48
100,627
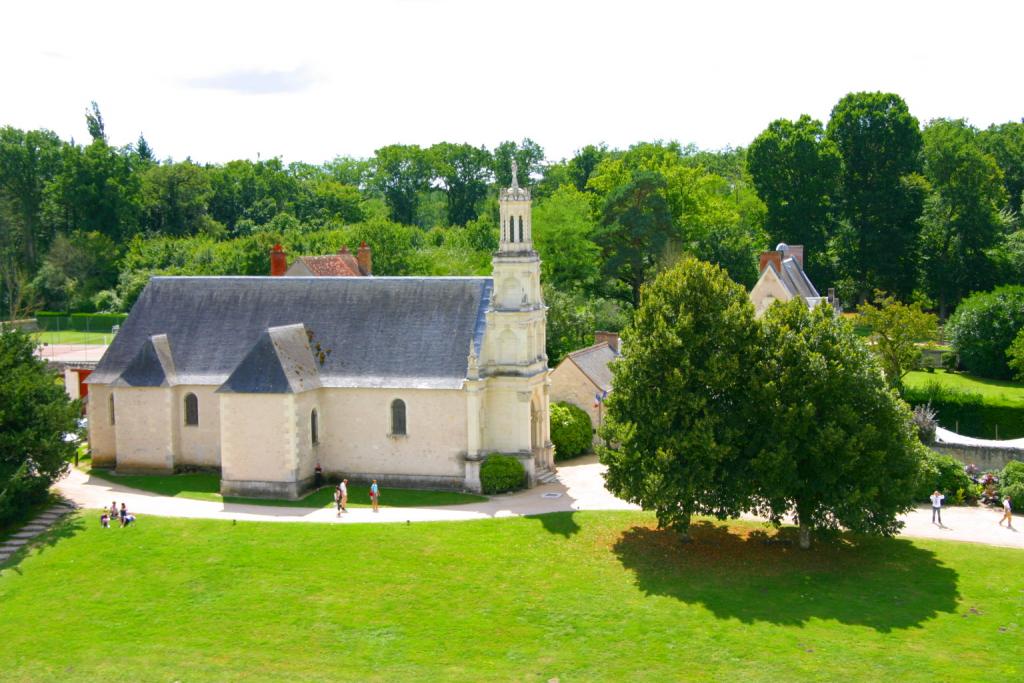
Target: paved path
x,y
41,523
72,353
580,487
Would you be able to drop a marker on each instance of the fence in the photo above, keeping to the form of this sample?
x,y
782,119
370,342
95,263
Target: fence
x,y
101,323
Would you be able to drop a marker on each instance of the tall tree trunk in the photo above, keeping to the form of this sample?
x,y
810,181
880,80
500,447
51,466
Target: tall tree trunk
x,y
805,537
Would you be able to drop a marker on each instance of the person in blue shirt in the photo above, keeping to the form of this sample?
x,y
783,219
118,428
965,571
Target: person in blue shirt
x,y
374,494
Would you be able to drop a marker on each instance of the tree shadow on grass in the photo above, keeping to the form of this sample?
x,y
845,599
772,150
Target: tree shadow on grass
x,y
561,523
880,583
65,527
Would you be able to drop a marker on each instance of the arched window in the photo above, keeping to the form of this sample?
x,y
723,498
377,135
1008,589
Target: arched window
x,y
191,410
398,417
520,228
110,404
314,428
512,229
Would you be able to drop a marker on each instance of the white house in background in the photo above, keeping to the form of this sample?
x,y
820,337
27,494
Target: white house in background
x,y
783,278
409,380
584,377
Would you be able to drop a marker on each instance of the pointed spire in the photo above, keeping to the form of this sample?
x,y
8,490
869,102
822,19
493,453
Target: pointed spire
x,y
515,175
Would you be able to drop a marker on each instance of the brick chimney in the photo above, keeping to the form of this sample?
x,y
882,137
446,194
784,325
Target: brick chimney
x,y
278,261
773,257
797,252
612,338
365,258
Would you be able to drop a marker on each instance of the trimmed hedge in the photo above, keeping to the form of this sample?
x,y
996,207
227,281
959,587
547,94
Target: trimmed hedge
x,y
571,432
501,473
967,413
79,322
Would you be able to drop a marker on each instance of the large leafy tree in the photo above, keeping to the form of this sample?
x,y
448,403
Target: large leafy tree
x,y
635,228
528,155
963,216
29,161
35,414
881,189
464,172
796,171
175,198
563,231
678,422
96,190
895,330
837,446
400,173
1005,142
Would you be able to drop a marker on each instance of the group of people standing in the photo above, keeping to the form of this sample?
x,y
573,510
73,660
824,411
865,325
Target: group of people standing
x,y
341,496
937,499
121,514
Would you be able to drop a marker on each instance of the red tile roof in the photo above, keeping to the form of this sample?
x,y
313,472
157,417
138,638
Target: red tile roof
x,y
332,264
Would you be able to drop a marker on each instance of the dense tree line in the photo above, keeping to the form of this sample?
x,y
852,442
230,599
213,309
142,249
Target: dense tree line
x,y
880,203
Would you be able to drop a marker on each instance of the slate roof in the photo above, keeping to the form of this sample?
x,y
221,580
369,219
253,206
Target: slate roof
x,y
280,362
152,366
594,362
795,280
374,332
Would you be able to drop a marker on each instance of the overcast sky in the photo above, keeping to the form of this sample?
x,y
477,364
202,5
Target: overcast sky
x,y
308,81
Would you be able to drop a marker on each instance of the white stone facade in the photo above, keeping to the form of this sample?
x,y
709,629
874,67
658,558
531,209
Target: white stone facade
x,y
263,443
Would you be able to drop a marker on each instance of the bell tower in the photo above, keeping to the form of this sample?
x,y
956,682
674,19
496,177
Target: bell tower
x,y
517,304
513,364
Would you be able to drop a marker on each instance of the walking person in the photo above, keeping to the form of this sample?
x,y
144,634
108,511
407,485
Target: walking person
x,y
1007,513
343,488
337,499
937,499
374,495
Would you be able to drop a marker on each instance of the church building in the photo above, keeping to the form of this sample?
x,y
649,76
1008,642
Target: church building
x,y
413,381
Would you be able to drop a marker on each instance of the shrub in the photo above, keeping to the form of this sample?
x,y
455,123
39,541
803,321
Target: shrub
x,y
1011,481
1015,356
950,361
570,430
983,327
946,474
924,420
501,473
967,413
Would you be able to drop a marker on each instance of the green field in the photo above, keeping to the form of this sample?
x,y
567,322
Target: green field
x,y
596,596
72,337
205,486
993,391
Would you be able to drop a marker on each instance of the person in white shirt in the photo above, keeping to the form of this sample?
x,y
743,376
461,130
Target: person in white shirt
x,y
344,495
1007,514
937,499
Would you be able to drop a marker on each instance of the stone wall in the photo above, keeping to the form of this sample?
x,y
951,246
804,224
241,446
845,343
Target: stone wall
x,y
984,457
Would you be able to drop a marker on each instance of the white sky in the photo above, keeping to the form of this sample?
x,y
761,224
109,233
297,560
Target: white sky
x,y
308,81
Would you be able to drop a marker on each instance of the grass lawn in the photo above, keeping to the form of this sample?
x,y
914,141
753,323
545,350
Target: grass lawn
x,y
993,391
579,596
204,486
72,337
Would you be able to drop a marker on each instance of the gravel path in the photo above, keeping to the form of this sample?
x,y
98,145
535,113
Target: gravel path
x,y
580,487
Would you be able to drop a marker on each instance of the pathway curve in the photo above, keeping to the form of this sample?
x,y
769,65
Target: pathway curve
x,y
37,526
580,487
